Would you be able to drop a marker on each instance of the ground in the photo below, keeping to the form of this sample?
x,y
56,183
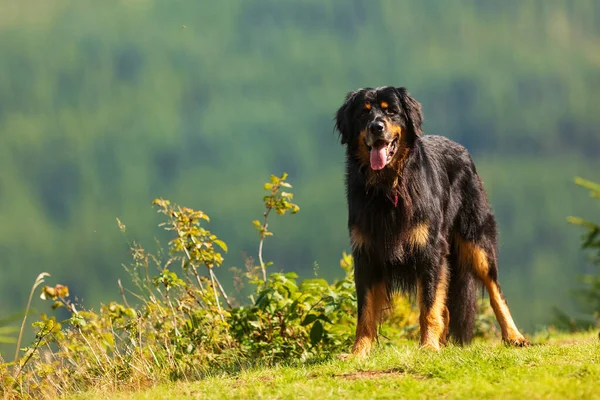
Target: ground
x,y
558,366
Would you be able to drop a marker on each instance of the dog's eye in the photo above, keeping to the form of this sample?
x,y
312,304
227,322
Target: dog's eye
x,y
390,111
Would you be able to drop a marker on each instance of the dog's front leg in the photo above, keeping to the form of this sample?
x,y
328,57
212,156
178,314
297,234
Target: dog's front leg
x,y
371,300
372,296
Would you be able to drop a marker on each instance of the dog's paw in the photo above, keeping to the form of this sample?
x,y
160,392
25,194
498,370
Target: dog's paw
x,y
430,347
362,347
517,341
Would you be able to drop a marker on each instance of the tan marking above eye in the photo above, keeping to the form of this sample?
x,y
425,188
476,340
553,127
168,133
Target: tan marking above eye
x,y
367,106
384,105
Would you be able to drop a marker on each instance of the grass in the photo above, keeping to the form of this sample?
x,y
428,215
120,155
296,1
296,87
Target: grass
x,y
559,366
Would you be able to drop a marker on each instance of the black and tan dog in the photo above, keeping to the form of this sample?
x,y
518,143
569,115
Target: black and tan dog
x,y
419,219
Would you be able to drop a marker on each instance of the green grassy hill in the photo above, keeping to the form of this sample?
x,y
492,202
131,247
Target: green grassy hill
x,y
558,367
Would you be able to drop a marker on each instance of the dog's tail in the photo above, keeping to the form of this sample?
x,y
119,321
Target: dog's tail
x,y
462,301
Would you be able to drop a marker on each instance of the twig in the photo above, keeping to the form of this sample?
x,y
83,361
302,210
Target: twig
x,y
187,253
212,277
92,349
172,310
260,245
223,292
196,274
123,293
38,281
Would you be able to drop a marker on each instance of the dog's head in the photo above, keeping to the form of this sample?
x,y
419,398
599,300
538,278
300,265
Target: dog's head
x,y
376,124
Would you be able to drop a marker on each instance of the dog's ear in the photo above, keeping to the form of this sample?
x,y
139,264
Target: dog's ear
x,y
343,117
413,109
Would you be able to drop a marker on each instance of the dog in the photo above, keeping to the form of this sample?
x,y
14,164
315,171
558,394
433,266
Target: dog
x,y
419,221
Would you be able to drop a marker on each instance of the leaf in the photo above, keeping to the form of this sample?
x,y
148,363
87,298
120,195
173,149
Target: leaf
x,y
254,324
324,317
221,244
122,226
580,221
314,284
310,318
594,187
268,186
316,333
62,291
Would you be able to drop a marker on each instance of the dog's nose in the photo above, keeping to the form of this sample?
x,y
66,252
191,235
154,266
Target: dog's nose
x,y
376,126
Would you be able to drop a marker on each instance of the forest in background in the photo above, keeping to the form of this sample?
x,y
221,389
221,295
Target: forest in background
x,y
106,105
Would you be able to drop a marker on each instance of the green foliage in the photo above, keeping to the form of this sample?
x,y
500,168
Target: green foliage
x,y
180,328
589,294
289,320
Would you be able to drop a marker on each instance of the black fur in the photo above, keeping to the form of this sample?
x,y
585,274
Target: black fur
x,y
431,180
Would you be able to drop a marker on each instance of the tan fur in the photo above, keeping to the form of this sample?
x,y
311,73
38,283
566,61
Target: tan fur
x,y
366,331
510,332
384,105
473,255
363,152
418,236
357,239
446,317
397,162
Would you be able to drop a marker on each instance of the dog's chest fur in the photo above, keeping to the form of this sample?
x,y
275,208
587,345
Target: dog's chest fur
x,y
381,218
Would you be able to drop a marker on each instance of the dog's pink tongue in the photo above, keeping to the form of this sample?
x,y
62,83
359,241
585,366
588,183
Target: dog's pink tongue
x,y
378,156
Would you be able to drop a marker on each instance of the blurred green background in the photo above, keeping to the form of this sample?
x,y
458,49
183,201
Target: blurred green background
x,y
105,105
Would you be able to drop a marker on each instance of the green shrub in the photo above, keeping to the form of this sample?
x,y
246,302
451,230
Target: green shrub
x,y
183,322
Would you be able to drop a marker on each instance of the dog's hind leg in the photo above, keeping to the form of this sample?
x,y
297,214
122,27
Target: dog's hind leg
x,y
483,263
462,300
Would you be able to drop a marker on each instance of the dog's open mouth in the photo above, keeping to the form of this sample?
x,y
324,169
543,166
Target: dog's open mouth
x,y
382,153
